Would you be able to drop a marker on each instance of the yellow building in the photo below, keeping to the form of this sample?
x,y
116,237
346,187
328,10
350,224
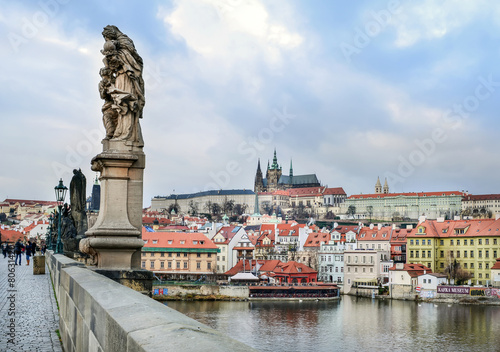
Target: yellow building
x,y
462,245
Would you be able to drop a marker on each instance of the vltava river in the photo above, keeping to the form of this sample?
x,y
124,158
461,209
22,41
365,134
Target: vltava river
x,y
351,324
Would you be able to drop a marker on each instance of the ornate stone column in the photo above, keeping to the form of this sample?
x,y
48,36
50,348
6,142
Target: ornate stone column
x,y
115,242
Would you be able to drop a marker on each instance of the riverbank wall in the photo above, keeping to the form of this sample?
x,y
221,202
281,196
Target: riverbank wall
x,y
189,290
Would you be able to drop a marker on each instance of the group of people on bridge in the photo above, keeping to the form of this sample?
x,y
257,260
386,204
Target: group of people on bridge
x,y
27,248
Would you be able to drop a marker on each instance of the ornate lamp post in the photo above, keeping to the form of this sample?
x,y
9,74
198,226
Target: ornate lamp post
x,y
48,238
60,190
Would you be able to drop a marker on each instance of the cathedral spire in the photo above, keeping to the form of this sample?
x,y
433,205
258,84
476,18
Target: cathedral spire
x,y
275,165
259,182
291,168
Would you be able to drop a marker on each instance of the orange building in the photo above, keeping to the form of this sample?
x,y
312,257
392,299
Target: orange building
x,y
178,253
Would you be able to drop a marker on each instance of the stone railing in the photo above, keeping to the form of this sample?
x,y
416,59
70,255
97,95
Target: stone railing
x,y
98,314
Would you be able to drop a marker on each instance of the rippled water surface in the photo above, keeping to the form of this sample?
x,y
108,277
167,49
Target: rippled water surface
x,y
351,324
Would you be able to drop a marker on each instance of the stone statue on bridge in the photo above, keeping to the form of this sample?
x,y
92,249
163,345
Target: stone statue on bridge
x,y
121,87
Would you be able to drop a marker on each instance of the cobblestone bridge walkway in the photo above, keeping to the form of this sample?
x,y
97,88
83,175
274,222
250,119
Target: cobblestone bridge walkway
x,y
28,311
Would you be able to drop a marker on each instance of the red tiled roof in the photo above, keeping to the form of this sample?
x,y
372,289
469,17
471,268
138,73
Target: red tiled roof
x,y
264,266
292,267
315,239
399,236
413,270
178,240
11,236
30,202
477,197
336,191
447,228
496,265
367,234
174,227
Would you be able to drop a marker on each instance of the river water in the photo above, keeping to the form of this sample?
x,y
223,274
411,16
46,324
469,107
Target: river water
x,y
351,324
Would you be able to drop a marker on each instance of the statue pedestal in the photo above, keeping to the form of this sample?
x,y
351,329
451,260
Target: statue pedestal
x,y
115,239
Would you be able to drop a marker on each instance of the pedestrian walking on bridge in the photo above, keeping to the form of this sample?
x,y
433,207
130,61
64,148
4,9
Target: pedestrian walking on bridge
x,y
28,252
18,250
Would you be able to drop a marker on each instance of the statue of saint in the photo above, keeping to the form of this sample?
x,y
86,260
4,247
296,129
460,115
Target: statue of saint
x,y
121,87
77,189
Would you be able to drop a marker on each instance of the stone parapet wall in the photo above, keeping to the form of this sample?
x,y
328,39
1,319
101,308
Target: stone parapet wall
x,y
98,314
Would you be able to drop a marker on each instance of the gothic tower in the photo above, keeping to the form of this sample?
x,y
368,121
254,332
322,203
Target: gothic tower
x,y
259,182
386,186
273,174
378,187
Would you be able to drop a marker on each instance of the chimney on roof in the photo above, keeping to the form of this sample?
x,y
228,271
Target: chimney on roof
x,y
379,226
394,226
421,219
456,217
441,219
371,226
497,216
409,227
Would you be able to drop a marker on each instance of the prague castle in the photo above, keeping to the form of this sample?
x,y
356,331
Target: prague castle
x,y
275,180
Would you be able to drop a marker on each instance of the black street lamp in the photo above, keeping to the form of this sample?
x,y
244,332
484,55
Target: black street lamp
x,y
60,190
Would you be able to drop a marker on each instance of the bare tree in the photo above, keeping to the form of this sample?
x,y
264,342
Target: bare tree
x,y
216,208
267,207
239,209
228,206
369,210
208,206
193,207
175,207
455,272
351,210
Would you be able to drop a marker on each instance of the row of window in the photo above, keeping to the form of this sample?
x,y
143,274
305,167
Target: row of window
x,y
457,241
177,254
454,254
178,265
330,269
363,260
416,254
356,269
328,258
417,242
367,246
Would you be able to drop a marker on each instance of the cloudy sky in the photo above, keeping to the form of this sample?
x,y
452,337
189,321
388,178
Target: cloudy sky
x,y
347,90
